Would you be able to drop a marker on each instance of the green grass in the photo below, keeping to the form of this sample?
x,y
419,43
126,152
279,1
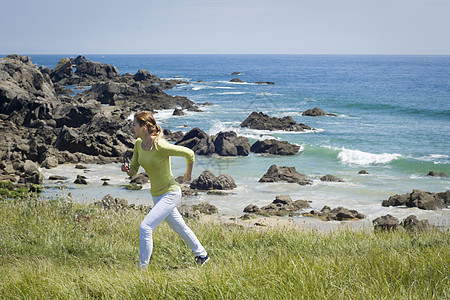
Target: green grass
x,y
59,250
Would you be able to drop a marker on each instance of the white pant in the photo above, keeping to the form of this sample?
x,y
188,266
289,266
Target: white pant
x,y
165,209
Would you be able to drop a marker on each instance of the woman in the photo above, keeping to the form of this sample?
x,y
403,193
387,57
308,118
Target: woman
x,y
153,153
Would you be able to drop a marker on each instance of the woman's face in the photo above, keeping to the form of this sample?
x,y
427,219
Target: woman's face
x,y
138,131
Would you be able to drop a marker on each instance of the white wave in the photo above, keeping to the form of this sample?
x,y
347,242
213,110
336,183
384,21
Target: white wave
x,y
240,131
162,115
229,82
177,78
268,94
436,158
196,87
344,116
219,126
232,93
365,158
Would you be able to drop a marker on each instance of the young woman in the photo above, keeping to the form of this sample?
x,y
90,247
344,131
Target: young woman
x,y
153,153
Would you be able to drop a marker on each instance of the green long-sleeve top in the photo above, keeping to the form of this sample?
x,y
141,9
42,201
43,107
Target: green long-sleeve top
x,y
156,163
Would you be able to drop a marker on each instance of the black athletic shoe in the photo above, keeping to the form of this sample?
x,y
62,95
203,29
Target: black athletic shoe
x,y
201,260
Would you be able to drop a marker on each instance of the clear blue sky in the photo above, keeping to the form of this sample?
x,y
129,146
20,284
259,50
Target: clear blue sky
x,y
225,26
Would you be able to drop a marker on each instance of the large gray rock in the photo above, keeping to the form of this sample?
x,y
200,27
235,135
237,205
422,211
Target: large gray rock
x,y
95,144
420,199
97,69
208,181
27,96
72,115
411,223
386,223
224,143
261,121
86,73
275,147
144,75
173,136
133,95
198,141
283,205
288,174
62,70
336,214
230,144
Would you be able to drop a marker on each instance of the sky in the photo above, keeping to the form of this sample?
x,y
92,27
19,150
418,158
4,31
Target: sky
x,y
225,27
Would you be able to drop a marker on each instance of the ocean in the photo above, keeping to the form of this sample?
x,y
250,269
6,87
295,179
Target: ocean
x,y
393,120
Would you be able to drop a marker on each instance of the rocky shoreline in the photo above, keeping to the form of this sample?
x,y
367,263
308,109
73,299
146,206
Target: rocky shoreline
x,y
42,125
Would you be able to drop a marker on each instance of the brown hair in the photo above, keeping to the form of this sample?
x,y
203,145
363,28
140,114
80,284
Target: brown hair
x,y
146,119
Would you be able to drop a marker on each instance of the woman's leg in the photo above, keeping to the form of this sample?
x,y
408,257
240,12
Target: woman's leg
x,y
176,222
163,206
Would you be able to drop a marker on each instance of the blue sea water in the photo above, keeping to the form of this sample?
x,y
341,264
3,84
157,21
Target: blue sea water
x,y
393,120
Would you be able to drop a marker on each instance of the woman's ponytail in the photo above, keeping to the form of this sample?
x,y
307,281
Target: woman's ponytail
x,y
158,134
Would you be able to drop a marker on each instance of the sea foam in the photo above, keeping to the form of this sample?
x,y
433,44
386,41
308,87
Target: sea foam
x,y
365,158
219,126
240,131
436,158
232,93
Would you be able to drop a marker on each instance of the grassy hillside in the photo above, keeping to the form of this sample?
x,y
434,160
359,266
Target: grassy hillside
x,y
56,249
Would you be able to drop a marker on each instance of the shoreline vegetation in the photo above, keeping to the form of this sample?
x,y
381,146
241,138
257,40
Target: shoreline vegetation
x,y
59,249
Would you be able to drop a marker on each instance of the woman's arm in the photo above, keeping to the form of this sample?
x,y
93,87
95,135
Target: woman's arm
x,y
133,167
174,150
188,175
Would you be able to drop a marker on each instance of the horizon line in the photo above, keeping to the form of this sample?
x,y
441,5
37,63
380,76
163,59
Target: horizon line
x,y
331,54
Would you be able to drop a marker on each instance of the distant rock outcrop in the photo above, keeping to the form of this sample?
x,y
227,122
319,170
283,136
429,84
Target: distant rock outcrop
x,y
136,96
261,121
315,112
264,82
